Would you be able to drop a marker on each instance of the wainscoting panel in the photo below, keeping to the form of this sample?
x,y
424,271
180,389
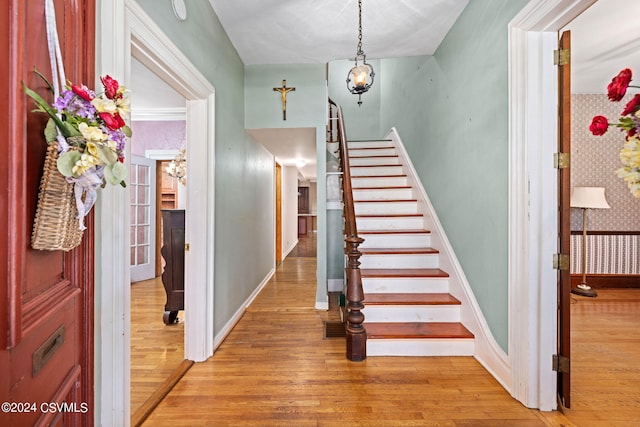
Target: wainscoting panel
x,y
607,254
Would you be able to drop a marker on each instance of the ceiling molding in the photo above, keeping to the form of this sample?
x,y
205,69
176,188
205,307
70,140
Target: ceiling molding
x,y
158,114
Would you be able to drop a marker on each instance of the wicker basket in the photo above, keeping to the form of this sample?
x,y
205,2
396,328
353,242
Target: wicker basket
x,y
55,226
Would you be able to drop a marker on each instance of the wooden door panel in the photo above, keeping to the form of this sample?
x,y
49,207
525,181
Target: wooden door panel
x,y
46,305
564,221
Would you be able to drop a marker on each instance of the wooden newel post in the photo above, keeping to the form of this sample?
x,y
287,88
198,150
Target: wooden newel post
x,y
356,334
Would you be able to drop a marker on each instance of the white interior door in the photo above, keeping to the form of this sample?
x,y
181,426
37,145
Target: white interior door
x,y
143,218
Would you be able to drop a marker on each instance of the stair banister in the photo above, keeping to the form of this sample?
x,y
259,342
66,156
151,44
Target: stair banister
x,y
356,335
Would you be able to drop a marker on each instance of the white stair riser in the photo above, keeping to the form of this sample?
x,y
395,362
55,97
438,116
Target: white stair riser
x,y
368,152
376,170
383,194
390,223
411,313
400,261
366,161
386,208
368,144
420,347
418,240
404,285
387,181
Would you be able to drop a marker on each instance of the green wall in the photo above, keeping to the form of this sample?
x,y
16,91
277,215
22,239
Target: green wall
x,y
363,121
244,169
451,111
306,108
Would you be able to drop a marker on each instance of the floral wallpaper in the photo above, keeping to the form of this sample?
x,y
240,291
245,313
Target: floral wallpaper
x,y
157,135
594,160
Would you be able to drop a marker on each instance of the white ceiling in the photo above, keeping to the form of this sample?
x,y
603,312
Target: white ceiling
x,y
308,31
291,146
605,39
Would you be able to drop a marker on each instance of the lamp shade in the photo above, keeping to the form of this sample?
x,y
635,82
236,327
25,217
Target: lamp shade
x,y
588,197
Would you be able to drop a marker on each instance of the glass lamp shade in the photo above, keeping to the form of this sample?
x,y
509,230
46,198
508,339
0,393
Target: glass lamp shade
x,y
360,78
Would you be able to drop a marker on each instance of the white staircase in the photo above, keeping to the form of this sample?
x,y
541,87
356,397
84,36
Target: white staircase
x,y
408,308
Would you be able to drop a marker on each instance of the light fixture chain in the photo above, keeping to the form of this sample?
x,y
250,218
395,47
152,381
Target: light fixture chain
x,y
359,28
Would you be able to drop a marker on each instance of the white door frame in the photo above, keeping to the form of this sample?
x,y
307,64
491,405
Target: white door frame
x,y
126,30
533,202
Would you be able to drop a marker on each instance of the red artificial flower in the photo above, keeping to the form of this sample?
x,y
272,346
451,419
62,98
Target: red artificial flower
x,y
83,92
599,125
632,106
112,121
619,84
110,87
631,132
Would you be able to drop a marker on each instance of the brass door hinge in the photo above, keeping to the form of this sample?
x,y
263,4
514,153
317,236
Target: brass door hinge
x,y
561,160
561,363
561,261
561,56
187,247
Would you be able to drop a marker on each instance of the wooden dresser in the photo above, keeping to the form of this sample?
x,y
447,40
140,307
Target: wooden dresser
x,y
173,253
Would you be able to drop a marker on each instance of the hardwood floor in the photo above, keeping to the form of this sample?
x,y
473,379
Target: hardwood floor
x,y
605,359
276,369
156,349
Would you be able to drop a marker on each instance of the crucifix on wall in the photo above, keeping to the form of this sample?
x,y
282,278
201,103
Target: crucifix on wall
x,y
283,92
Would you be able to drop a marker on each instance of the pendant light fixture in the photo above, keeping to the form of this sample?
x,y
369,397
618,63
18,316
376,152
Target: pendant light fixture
x,y
360,77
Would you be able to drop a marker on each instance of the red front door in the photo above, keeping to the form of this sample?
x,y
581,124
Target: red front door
x,y
46,301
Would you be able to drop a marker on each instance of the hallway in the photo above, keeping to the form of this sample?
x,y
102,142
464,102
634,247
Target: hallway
x,y
275,369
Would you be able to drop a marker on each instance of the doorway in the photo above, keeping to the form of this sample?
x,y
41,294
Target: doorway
x,y
147,43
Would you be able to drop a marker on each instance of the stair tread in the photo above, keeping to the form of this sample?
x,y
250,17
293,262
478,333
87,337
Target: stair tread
x,y
379,176
388,215
371,157
417,330
396,231
394,187
410,299
380,165
386,201
402,272
397,251
373,147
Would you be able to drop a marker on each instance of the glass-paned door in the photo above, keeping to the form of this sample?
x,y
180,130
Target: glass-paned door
x,y
143,218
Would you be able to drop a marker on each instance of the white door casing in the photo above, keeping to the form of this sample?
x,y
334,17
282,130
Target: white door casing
x,y
533,202
126,30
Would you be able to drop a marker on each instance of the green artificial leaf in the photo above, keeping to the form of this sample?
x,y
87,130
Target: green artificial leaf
x,y
46,80
126,130
119,171
107,155
115,173
51,131
45,107
67,161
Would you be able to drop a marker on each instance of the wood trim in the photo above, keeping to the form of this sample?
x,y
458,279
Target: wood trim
x,y
608,281
606,233
143,412
278,170
564,220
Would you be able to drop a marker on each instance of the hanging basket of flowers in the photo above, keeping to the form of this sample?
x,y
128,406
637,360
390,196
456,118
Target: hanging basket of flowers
x,y
86,135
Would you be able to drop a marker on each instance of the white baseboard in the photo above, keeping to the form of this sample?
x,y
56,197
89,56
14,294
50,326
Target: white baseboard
x,y
220,336
335,285
288,250
322,305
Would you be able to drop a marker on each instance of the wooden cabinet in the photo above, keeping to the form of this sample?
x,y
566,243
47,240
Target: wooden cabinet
x,y
173,254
